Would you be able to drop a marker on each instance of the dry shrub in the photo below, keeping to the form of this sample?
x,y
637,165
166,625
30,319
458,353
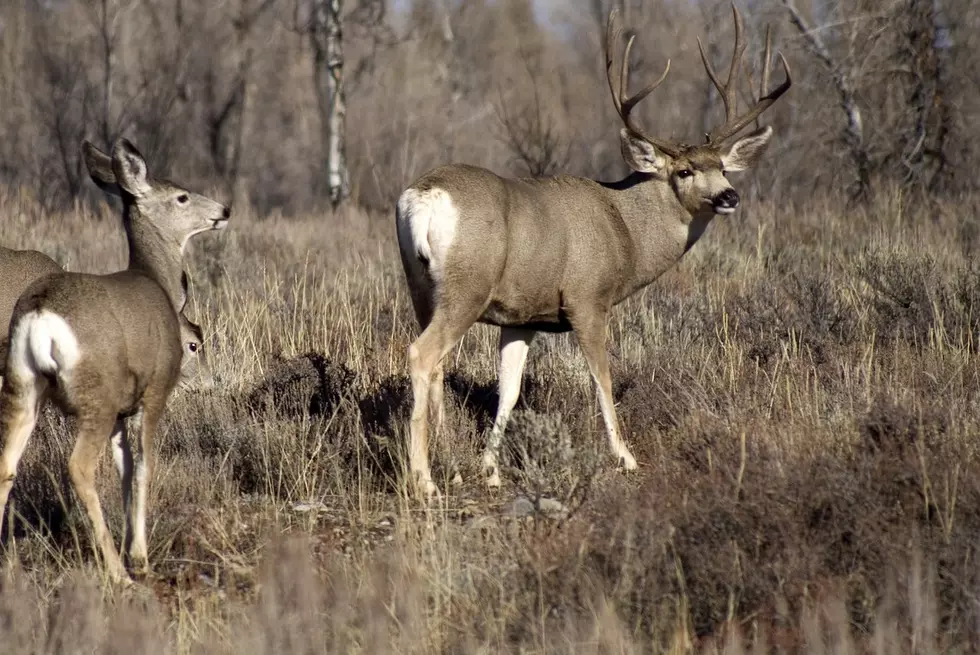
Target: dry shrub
x,y
308,385
808,461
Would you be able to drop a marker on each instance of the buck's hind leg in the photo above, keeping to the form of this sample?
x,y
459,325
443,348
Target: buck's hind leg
x,y
425,357
514,344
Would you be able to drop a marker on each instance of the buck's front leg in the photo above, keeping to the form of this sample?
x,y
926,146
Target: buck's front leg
x,y
591,333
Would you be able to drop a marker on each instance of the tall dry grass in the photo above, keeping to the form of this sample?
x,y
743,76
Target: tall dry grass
x,y
801,391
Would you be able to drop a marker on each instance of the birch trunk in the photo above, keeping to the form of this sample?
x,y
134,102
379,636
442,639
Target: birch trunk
x,y
328,76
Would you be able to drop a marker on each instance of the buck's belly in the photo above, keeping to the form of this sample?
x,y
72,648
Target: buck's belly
x,y
525,313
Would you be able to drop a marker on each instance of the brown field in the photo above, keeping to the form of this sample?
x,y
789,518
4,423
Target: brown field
x,y
804,406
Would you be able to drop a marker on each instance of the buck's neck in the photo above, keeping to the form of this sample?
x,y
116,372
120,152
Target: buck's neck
x,y
661,228
156,253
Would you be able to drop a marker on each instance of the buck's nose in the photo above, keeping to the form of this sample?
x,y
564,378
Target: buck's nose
x,y
726,200
226,212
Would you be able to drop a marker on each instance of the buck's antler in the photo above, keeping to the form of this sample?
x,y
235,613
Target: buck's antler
x,y
733,122
625,103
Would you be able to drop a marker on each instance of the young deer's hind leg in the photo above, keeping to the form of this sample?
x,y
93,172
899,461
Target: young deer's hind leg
x,y
21,399
122,456
136,518
93,428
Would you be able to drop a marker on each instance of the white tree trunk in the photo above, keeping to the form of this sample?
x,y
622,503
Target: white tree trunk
x,y
327,37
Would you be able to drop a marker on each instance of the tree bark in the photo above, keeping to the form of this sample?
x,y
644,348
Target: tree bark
x,y
326,35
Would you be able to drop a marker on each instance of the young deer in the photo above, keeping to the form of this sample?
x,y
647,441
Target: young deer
x,y
106,347
556,254
19,268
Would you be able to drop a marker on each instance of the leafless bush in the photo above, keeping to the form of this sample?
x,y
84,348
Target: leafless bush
x,y
529,132
226,92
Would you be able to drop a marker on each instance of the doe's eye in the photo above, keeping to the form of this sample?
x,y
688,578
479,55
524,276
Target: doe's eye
x,y
686,172
183,198
725,173
192,347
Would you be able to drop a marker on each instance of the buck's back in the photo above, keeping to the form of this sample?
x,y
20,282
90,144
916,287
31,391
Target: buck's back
x,y
526,241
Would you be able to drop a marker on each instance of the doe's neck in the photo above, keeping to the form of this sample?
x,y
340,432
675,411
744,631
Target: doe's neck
x,y
157,254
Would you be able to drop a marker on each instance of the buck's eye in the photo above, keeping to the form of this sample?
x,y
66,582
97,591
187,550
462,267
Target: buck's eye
x,y
182,199
192,347
684,173
725,173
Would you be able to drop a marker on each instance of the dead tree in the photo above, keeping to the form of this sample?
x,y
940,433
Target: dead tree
x,y
326,36
924,160
854,137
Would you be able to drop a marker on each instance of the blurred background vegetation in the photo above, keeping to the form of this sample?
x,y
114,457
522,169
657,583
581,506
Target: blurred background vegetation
x,y
225,94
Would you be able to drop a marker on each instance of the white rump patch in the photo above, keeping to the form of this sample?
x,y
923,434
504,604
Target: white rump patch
x,y
426,226
42,342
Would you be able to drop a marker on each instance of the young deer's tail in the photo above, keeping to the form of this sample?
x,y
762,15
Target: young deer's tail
x,y
42,342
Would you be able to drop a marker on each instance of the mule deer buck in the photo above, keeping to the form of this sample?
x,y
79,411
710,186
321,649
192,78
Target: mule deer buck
x,y
19,268
556,254
106,347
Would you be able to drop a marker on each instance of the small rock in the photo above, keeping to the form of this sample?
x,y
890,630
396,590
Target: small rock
x,y
523,507
552,508
311,506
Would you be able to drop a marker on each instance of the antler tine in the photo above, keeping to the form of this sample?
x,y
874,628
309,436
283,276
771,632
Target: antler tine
x,y
766,58
754,97
728,90
763,104
612,36
632,101
734,123
625,103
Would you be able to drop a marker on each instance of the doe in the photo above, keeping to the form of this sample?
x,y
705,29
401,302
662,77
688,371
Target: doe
x,y
105,347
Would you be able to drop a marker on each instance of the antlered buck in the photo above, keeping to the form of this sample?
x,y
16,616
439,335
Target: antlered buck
x,y
556,254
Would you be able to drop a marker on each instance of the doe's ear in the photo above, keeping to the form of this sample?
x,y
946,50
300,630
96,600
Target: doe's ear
x,y
745,152
129,168
99,167
641,155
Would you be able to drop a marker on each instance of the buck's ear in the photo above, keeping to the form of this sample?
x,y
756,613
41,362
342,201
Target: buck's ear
x,y
99,167
745,152
641,155
129,168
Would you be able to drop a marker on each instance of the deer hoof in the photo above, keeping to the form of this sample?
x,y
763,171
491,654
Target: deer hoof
x,y
426,486
139,567
627,462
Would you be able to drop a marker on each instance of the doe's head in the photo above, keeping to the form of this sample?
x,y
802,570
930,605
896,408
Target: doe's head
x,y
168,206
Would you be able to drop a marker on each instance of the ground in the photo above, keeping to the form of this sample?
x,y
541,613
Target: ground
x,y
801,393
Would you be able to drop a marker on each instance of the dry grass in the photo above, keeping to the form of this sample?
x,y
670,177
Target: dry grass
x,y
802,394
